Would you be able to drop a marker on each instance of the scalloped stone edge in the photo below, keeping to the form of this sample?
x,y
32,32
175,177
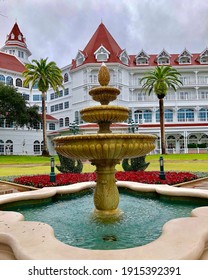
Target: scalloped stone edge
x,y
181,239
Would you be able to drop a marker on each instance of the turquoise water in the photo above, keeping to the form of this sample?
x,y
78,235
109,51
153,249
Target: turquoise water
x,y
74,223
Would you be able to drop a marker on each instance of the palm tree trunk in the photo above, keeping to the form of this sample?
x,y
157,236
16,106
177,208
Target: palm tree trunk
x,y
162,126
45,148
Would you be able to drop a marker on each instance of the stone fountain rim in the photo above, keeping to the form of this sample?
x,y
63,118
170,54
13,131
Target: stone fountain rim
x,y
102,89
181,239
104,107
105,136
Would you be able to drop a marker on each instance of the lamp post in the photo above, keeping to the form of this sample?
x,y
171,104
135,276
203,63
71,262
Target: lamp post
x,y
162,173
52,173
74,127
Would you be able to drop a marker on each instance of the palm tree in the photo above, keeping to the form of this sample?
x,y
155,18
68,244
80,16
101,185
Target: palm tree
x,y
160,80
44,75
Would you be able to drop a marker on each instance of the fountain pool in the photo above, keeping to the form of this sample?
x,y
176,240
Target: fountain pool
x,y
140,223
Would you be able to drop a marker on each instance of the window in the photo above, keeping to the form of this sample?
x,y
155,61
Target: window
x,y
66,105
203,94
79,58
61,122
8,124
9,81
185,57
37,125
183,95
1,147
185,80
9,147
147,116
18,82
203,58
37,97
101,54
35,85
36,147
204,139
124,58
163,58
52,96
203,114
2,79
142,58
60,106
66,121
20,54
168,114
140,96
66,77
26,96
192,139
77,117
185,115
93,78
52,126
66,91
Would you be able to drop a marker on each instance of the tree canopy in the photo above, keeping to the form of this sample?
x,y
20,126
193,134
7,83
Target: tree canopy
x,y
14,108
44,75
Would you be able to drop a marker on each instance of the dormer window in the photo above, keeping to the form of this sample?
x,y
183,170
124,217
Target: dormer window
x,y
12,36
163,58
124,57
19,37
185,57
102,54
79,58
203,58
142,58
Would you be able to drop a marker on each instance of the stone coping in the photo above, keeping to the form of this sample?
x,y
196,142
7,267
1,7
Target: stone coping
x,y
181,239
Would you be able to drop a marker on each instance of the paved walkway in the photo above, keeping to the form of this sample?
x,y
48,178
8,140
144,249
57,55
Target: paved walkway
x,y
201,183
9,187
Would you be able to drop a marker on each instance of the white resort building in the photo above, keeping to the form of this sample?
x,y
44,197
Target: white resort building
x,y
186,111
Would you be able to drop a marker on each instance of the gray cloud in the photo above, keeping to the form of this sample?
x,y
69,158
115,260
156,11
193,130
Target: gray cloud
x,y
58,28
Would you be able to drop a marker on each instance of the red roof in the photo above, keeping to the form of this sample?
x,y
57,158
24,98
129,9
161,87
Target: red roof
x,y
16,37
50,118
10,62
104,38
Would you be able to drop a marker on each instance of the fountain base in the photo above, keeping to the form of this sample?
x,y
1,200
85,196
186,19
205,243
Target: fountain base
x,y
108,217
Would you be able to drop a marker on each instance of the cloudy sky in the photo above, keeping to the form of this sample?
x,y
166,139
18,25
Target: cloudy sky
x,y
57,29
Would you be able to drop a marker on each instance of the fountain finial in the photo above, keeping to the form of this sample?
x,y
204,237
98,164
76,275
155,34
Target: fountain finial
x,y
104,75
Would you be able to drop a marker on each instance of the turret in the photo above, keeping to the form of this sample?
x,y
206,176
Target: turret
x,y
16,45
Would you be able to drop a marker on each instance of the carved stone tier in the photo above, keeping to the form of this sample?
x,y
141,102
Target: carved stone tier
x,y
105,146
104,115
104,94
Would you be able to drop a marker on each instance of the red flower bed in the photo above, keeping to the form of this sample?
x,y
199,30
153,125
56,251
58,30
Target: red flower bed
x,y
148,177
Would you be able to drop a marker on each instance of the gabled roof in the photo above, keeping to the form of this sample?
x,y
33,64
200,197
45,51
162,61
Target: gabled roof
x,y
16,38
10,62
101,37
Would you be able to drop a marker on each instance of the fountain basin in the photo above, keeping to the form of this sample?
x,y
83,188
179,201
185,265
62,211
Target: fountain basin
x,y
105,113
181,239
104,146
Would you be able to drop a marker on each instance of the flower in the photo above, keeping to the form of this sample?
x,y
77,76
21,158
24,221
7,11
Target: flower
x,y
147,177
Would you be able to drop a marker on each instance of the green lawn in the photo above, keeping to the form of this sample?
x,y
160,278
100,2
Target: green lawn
x,y
22,165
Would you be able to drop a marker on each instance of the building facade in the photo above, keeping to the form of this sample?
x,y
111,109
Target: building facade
x,y
186,111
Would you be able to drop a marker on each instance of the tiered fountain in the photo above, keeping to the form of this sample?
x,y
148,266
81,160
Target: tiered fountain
x,y
105,149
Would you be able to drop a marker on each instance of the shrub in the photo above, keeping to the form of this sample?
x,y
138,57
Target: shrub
x,y
135,164
69,165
